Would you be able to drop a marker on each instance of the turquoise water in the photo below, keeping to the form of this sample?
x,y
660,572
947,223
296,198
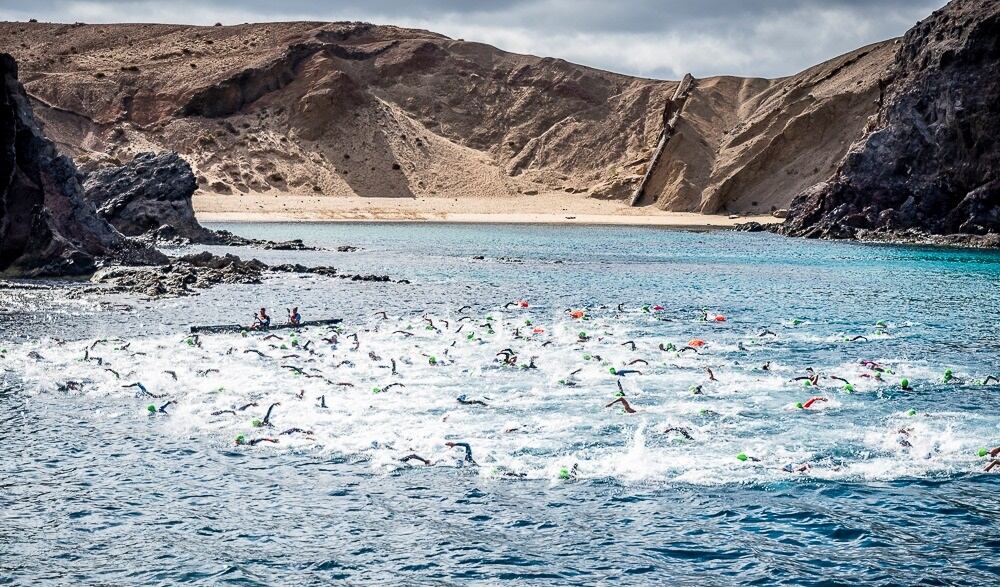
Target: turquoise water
x,y
891,491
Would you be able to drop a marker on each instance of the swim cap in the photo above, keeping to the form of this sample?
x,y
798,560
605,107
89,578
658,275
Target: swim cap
x,y
849,388
741,457
527,322
799,406
582,334
240,439
432,360
376,390
256,423
912,412
586,357
613,371
983,452
151,408
904,382
284,347
796,322
645,308
947,374
807,383
471,336
564,473
880,324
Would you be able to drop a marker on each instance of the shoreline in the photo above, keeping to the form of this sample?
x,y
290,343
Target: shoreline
x,y
550,209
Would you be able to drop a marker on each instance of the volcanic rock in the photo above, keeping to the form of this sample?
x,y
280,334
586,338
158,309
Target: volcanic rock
x,y
930,163
47,227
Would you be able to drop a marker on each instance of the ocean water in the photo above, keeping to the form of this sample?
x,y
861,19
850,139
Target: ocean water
x,y
717,477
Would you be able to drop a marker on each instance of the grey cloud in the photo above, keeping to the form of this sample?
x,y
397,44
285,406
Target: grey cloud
x,y
651,38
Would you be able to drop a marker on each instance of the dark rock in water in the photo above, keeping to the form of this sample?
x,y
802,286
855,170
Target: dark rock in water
x,y
47,227
930,164
189,273
750,227
151,192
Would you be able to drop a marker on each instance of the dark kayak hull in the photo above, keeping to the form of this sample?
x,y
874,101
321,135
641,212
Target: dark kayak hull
x,y
238,327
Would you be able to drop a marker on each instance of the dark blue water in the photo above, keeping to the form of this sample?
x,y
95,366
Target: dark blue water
x,y
95,491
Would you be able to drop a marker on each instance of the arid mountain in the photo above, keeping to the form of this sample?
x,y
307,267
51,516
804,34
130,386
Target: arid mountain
x,y
352,108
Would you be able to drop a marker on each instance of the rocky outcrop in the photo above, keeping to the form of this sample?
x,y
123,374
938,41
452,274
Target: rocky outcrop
x,y
151,197
150,192
928,169
185,275
47,227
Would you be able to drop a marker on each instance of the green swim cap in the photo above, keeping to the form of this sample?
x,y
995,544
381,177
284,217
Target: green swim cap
x,y
564,473
645,308
582,334
527,322
613,371
240,439
849,388
586,357
911,412
243,333
432,360
807,383
948,374
151,408
376,390
256,423
471,335
285,347
741,457
904,382
880,324
796,322
800,406
982,452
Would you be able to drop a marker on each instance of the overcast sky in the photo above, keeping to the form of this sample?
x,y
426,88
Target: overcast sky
x,y
653,38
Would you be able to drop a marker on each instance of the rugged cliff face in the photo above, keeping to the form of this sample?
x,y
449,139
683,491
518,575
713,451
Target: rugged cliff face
x,y
47,227
151,193
930,161
356,109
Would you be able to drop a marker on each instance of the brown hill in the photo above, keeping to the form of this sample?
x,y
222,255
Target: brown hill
x,y
357,109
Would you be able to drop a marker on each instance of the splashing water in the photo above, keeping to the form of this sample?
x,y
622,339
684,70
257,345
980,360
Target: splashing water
x,y
722,417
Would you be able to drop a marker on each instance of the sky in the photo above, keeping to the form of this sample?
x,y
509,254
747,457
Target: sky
x,y
651,38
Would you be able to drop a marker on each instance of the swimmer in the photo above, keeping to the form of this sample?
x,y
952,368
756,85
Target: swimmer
x,y
624,372
621,389
630,344
812,401
294,318
988,378
172,374
294,369
470,402
393,361
993,455
682,431
689,348
245,406
468,451
766,333
403,332
414,457
464,308
220,412
255,351
70,385
711,376
113,372
668,348
857,338
695,389
261,321
382,314
766,366
296,431
205,372
625,405
391,385
163,409
267,417
322,402
143,390
636,361
256,441
790,468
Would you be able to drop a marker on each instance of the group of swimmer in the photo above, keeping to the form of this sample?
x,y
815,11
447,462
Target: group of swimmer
x,y
510,358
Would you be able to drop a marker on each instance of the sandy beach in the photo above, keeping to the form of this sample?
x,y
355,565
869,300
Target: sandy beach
x,y
542,209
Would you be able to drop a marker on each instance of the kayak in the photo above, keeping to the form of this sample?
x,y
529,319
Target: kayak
x,y
239,327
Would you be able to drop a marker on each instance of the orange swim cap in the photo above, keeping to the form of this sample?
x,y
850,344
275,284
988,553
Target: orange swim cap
x,y
696,342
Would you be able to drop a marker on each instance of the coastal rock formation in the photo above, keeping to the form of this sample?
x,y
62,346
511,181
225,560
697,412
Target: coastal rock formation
x,y
930,161
185,275
150,193
353,109
47,227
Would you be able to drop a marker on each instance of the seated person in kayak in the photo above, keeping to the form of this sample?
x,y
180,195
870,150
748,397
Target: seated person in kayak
x,y
294,318
261,321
